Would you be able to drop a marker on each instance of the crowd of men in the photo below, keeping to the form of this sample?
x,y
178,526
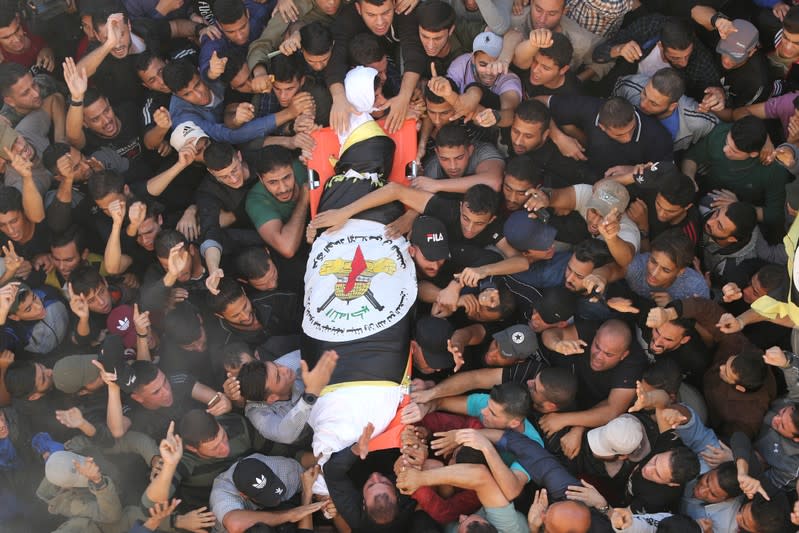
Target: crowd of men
x,y
600,216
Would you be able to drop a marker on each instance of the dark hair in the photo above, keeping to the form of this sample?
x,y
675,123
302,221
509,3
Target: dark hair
x,y
316,38
145,372
105,182
91,96
744,217
433,97
727,475
468,455
790,22
534,112
663,374
229,11
676,245
795,417
678,523
20,379
749,133
676,34
592,251
235,61
85,278
10,199
104,10
72,234
481,527
365,48
750,369
286,68
560,52
141,61
560,386
481,199
219,155
183,324
523,169
770,516
178,74
453,135
670,83
616,112
229,291
252,379
10,74
384,509
435,15
678,189
166,240
684,465
8,12
513,397
253,262
507,302
273,157
373,2
772,277
52,154
196,427
231,354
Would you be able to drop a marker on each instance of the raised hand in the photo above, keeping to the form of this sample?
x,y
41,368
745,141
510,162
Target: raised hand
x,y
287,10
109,378
89,470
212,281
541,38
630,52
12,261
216,66
731,292
78,303
291,44
622,305
171,446
8,294
117,211
141,321
317,379
535,516
162,118
76,79
24,167
178,260
776,356
361,448
728,323
159,512
196,521
71,418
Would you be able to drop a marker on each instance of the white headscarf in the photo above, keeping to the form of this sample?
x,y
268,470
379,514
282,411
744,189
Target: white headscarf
x,y
359,88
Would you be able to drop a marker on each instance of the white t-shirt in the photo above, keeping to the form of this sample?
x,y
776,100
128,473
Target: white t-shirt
x,y
628,231
652,63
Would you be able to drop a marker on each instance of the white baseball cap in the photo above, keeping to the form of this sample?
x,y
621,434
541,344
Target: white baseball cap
x,y
185,132
624,435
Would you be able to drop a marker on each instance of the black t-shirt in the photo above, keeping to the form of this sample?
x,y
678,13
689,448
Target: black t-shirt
x,y
650,140
571,86
559,170
38,244
128,142
152,101
749,83
594,386
155,422
448,211
647,496
118,80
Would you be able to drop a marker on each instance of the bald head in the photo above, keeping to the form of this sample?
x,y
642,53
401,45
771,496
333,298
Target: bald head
x,y
567,517
617,329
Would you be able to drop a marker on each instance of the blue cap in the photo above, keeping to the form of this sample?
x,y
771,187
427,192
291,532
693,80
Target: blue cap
x,y
525,233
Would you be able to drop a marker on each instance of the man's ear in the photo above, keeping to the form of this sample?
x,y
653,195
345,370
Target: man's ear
x,y
358,7
673,106
685,339
190,448
513,424
272,398
13,316
564,70
85,254
35,396
739,388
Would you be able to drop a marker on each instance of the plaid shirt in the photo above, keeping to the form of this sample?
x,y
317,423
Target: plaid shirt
x,y
702,70
601,17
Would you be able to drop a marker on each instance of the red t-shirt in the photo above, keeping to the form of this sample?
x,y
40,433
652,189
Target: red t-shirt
x,y
28,57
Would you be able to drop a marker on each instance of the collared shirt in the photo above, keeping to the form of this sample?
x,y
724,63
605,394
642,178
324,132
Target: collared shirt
x,y
601,17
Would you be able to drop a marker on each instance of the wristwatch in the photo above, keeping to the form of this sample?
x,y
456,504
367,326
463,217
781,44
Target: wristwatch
x,y
716,16
309,398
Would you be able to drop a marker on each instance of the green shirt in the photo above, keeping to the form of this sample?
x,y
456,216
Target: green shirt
x,y
262,207
750,180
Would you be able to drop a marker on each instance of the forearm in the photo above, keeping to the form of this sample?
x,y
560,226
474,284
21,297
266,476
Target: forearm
x,y
508,482
114,417
409,82
293,231
463,382
702,15
154,136
160,488
461,185
158,184
83,328
381,196
64,192
182,28
112,257
55,107
284,429
213,256
88,429
92,61
689,168
5,396
143,348
74,127
240,521
506,267
597,416
524,54
32,203
621,250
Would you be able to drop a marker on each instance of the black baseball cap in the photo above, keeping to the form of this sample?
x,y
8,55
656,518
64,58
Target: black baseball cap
x,y
253,478
430,235
432,335
654,176
556,304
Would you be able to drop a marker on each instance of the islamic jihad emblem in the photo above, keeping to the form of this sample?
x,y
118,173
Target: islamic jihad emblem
x,y
354,278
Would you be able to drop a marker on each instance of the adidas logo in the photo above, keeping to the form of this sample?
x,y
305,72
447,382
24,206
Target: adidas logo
x,y
131,380
123,324
260,482
186,130
279,490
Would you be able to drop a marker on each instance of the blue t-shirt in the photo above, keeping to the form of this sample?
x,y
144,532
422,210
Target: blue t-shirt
x,y
672,123
687,285
475,403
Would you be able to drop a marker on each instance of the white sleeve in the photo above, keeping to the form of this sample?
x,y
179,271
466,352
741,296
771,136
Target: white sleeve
x,y
629,232
582,193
